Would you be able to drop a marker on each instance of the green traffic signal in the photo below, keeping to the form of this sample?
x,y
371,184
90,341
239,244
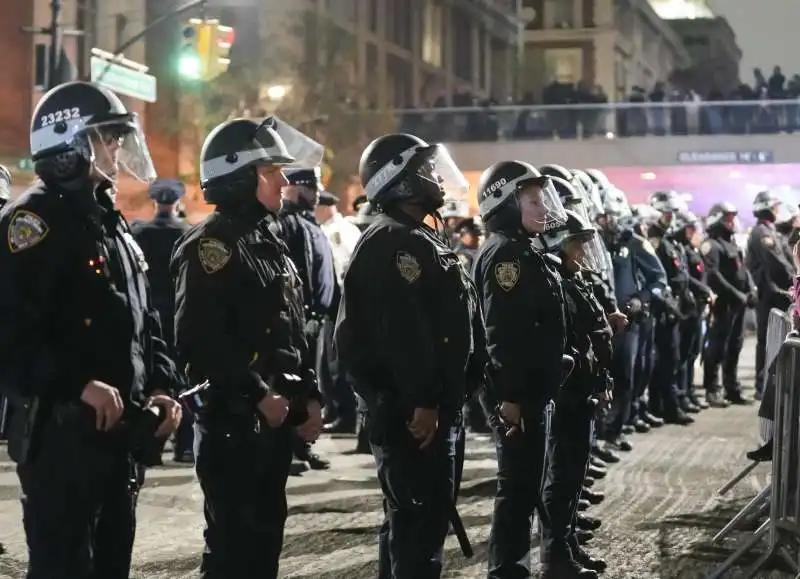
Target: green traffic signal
x,y
189,66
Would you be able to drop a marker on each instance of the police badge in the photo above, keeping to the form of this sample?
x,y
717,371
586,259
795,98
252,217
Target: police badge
x,y
507,275
25,230
213,254
408,266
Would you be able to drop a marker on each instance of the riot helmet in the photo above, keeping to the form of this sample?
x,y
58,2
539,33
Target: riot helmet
x,y
402,167
500,188
667,204
766,205
687,226
723,216
594,204
644,218
577,241
617,214
5,185
234,150
600,180
81,132
787,218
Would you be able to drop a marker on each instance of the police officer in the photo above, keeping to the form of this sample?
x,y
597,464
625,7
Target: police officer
x,y
239,325
686,231
468,236
310,251
668,311
638,276
587,390
454,212
407,298
772,271
157,237
729,279
81,354
641,419
523,305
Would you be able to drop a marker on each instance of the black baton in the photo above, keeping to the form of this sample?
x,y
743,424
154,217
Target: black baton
x,y
460,532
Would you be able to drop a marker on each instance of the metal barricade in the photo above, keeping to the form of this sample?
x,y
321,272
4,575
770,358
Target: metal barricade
x,y
779,325
782,529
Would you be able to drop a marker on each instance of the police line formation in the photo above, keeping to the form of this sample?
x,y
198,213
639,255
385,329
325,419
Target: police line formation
x,y
116,337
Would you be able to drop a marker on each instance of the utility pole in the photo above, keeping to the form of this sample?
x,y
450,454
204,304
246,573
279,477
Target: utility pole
x,y
56,34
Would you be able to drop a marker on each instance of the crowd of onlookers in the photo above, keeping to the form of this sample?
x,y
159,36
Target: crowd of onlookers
x,y
569,111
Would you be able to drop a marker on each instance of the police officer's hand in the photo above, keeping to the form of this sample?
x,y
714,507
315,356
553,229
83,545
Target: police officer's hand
x,y
275,408
752,300
712,297
423,425
310,429
634,307
106,401
618,320
172,413
511,414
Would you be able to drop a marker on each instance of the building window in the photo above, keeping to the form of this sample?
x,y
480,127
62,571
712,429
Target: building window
x,y
400,77
432,34
344,10
372,14
462,45
559,14
564,65
398,23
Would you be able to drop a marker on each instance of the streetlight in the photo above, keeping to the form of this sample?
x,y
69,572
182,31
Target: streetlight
x,y
277,92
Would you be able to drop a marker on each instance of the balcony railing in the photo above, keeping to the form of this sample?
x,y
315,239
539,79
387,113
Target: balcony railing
x,y
592,121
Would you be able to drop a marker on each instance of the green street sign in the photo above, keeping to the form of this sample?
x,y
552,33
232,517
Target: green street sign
x,y
25,165
123,80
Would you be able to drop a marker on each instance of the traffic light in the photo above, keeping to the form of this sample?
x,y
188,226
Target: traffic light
x,y
221,41
205,50
190,59
198,36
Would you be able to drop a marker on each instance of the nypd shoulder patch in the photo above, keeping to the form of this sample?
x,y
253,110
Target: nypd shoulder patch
x,y
408,266
26,230
213,254
506,274
706,247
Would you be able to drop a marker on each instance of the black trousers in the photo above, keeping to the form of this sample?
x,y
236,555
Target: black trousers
x,y
419,487
663,391
569,449
520,462
79,494
243,470
724,345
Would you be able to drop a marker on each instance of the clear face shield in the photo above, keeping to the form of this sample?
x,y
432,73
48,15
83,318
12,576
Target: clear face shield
x,y
585,250
439,169
294,149
119,147
541,207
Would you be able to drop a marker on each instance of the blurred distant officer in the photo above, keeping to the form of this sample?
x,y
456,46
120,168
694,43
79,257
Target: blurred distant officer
x,y
772,270
729,279
157,237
